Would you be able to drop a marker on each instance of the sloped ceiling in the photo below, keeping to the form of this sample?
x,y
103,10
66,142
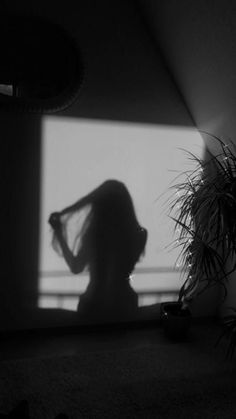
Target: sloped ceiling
x,y
198,40
125,75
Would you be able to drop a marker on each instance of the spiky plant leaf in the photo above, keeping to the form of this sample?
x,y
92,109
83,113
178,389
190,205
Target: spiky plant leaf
x,y
205,219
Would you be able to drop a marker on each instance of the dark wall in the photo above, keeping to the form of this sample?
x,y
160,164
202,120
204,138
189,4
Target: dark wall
x,y
20,181
125,79
198,42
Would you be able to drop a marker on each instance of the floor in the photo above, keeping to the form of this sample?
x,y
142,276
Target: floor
x,y
56,342
88,374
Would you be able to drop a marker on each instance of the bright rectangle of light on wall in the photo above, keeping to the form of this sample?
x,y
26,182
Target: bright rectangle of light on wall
x,y
77,156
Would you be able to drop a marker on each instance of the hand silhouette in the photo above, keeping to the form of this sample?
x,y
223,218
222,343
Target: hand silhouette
x,y
54,221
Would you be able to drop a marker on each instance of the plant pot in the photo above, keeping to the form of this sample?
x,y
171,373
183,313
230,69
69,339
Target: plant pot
x,y
175,320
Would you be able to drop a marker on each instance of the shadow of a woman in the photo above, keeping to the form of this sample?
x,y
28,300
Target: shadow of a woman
x,y
108,242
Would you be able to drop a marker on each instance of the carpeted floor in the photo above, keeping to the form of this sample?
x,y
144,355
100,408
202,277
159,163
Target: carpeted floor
x,y
181,380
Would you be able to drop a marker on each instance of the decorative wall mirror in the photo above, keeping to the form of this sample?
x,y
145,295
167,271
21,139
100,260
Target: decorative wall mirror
x,y
41,68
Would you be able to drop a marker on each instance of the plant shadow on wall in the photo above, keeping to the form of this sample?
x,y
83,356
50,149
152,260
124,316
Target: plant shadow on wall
x,y
203,208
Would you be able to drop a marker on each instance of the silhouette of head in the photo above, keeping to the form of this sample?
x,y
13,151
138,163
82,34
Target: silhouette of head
x,y
110,230
114,226
113,207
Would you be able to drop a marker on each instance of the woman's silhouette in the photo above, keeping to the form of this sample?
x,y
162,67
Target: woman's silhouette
x,y
109,243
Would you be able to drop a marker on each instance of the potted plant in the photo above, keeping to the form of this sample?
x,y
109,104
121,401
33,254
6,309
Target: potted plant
x,y
204,208
175,319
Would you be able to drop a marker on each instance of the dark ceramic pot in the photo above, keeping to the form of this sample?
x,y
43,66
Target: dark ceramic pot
x,y
175,320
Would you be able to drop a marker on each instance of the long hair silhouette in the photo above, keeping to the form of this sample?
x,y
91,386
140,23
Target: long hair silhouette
x,y
101,232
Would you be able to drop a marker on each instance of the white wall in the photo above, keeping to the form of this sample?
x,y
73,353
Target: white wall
x,y
78,155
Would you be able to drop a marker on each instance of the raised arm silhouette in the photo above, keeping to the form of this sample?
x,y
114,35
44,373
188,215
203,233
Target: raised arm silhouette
x,y
109,242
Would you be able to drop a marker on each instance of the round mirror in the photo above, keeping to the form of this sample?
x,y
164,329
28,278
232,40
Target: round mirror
x,y
41,66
